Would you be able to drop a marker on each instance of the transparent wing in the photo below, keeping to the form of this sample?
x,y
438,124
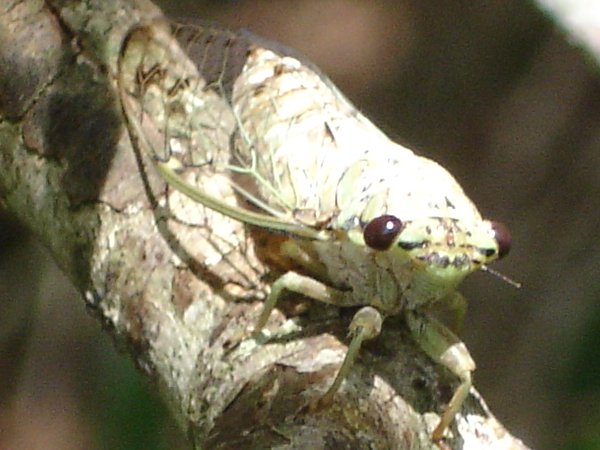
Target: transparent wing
x,y
176,84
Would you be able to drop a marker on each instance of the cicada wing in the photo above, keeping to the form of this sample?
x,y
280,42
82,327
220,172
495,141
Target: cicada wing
x,y
174,90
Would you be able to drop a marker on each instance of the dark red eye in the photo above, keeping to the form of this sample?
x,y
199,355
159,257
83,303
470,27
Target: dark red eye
x,y
503,238
380,233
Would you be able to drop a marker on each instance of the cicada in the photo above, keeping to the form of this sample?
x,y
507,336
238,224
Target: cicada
x,y
367,222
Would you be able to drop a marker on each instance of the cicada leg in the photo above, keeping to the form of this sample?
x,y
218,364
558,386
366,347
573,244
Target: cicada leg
x,y
304,285
445,348
458,305
365,325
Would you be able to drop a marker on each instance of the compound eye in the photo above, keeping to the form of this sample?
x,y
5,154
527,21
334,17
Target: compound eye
x,y
380,233
503,238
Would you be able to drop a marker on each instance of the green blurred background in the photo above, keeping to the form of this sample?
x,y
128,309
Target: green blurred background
x,y
495,92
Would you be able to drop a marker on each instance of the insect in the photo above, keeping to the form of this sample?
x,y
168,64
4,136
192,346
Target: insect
x,y
369,223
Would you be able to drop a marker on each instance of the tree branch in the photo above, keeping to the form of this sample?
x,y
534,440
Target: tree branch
x,y
182,295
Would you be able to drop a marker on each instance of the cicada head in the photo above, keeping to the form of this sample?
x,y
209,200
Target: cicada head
x,y
438,251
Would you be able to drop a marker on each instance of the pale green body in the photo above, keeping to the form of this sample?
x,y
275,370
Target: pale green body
x,y
331,168
319,171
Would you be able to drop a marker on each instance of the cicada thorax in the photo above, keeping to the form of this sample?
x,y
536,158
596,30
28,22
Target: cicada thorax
x,y
320,163
294,131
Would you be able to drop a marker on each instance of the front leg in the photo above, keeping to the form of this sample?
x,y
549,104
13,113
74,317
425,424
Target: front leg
x,y
365,325
446,348
301,284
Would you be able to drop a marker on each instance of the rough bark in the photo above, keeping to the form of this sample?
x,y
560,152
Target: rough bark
x,y
182,296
